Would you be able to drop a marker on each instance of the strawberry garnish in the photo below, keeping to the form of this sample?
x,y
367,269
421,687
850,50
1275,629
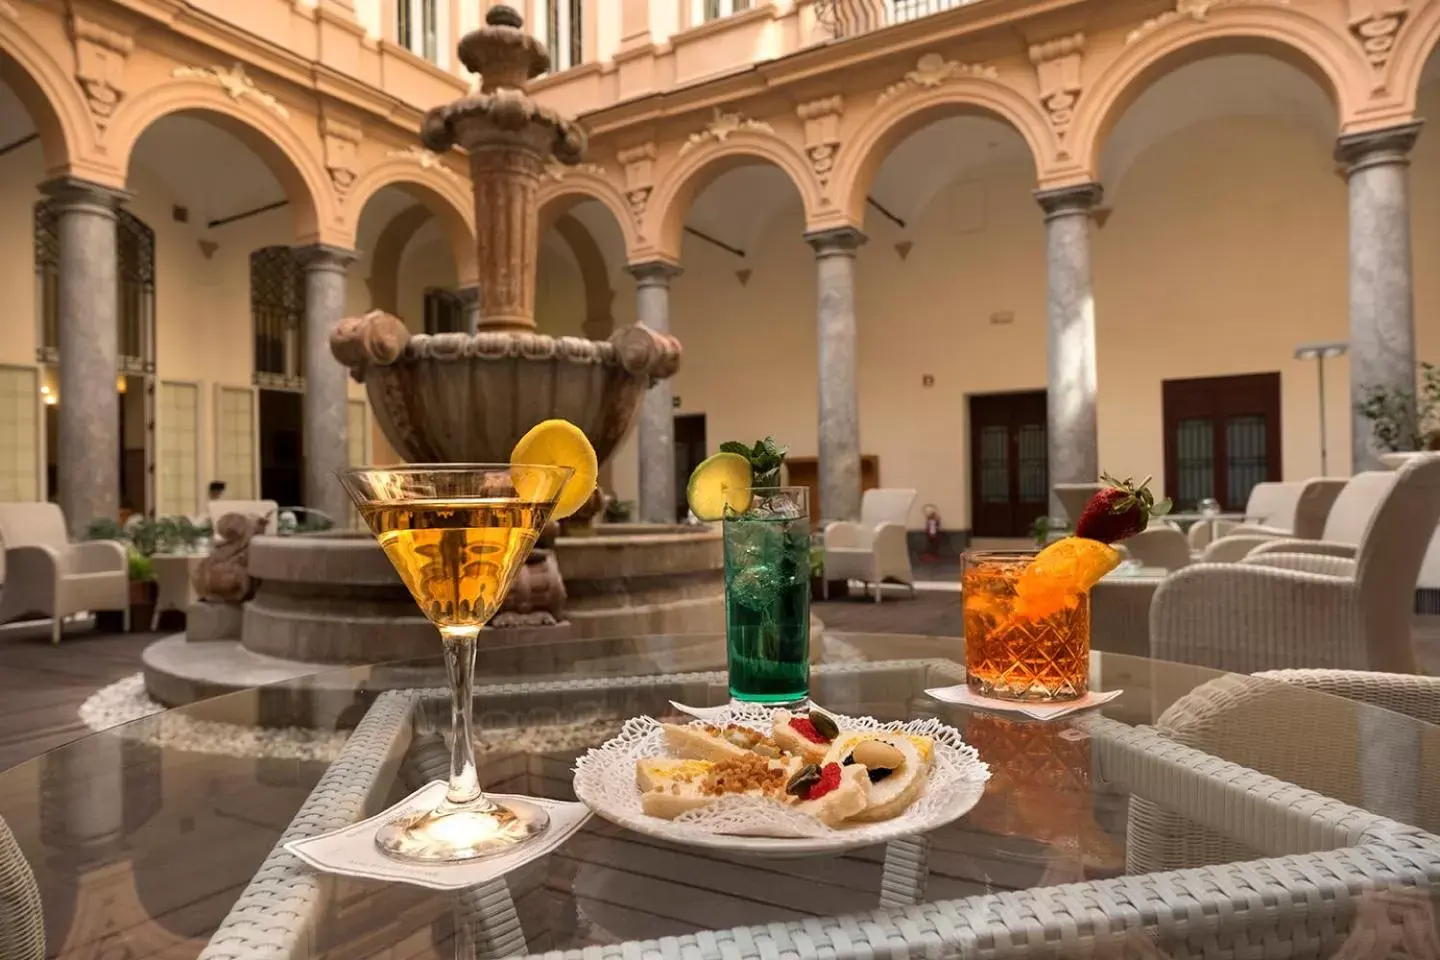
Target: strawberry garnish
x,y
829,780
1121,510
806,728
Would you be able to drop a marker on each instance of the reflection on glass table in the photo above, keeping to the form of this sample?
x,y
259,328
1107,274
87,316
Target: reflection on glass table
x,y
150,839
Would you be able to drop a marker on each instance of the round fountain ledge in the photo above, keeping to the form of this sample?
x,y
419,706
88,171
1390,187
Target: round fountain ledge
x,y
331,557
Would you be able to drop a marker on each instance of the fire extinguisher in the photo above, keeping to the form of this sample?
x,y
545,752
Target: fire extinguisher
x,y
932,534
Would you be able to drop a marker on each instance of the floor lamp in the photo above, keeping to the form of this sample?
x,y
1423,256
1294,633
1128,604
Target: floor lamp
x,y
1320,352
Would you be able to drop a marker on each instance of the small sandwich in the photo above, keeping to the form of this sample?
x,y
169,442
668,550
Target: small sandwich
x,y
672,787
809,737
894,769
711,742
838,794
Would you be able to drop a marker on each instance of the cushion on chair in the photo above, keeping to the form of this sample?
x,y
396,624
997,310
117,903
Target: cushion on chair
x,y
32,525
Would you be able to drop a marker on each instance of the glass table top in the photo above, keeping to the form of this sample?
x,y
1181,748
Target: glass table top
x,y
147,834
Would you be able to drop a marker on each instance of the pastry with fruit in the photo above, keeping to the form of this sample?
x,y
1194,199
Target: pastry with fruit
x,y
805,735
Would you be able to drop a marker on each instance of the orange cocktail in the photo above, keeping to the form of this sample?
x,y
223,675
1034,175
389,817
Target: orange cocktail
x,y
1023,641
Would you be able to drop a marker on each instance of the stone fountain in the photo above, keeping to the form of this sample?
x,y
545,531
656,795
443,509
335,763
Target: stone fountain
x,y
333,598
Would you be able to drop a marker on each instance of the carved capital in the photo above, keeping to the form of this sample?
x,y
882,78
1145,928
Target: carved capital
x,y
822,133
1376,26
1057,71
341,140
639,164
100,56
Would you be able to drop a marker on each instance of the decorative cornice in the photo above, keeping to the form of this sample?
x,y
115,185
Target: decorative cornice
x,y
234,82
426,159
721,126
1197,11
933,70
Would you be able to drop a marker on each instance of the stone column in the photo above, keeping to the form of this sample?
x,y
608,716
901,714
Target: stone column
x,y
1069,338
656,437
326,381
89,418
1382,305
470,297
839,405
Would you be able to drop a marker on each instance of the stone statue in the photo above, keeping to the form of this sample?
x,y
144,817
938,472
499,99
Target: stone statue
x,y
537,597
223,577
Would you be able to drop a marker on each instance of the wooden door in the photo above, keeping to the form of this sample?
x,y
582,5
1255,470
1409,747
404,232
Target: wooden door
x,y
1222,436
805,472
1009,463
689,451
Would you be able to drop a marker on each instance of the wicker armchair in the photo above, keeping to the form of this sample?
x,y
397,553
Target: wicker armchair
x,y
1308,603
1335,511
1368,759
22,924
48,575
1161,545
875,549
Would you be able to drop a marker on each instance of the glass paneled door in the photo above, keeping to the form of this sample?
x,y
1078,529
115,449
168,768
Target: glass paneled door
x,y
1222,437
1009,463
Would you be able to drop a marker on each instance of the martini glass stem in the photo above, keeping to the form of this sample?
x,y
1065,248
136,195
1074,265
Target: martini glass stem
x,y
464,787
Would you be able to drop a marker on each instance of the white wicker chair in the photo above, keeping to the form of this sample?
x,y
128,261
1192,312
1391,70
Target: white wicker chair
x,y
46,574
1308,603
1161,545
1257,723
875,549
1332,510
22,922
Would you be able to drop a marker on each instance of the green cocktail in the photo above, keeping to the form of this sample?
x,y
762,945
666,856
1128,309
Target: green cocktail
x,y
767,596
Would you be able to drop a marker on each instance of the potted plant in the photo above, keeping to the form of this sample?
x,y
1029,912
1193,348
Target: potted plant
x,y
143,590
1401,424
618,511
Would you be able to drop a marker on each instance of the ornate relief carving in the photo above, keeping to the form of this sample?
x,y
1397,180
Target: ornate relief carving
x,y
822,133
236,83
341,142
100,56
555,170
427,159
932,70
1196,10
1376,24
639,164
1057,70
720,127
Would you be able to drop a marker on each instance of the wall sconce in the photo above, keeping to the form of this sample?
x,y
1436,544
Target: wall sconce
x,y
120,385
48,396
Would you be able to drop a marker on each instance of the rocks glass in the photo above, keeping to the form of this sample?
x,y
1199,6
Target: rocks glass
x,y
767,597
1014,657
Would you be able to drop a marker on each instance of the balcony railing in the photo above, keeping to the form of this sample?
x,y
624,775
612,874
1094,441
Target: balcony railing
x,y
849,18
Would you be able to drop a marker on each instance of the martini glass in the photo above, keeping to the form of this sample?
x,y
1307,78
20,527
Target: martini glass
x,y
457,534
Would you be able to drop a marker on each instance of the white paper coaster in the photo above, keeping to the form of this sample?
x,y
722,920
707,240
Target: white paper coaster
x,y
963,695
351,851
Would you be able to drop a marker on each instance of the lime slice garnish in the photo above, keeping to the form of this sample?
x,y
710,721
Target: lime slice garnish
x,y
720,482
559,443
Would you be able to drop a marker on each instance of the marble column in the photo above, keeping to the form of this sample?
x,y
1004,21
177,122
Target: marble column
x,y
88,301
656,434
1069,338
470,297
327,417
1382,304
839,404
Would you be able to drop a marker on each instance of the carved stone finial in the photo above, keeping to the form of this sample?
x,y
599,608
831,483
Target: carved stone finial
x,y
224,575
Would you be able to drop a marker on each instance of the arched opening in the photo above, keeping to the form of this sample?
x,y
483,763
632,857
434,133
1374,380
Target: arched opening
x,y
953,276
1223,249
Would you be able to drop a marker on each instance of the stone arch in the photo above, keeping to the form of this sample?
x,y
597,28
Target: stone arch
x,y
443,192
578,185
53,102
273,139
901,116
698,168
389,249
1418,42
594,276
1163,45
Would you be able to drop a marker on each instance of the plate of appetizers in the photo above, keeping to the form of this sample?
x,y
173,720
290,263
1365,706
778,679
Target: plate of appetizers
x,y
752,779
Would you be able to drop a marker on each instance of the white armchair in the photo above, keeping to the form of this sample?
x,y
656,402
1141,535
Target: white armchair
x,y
46,574
1308,603
1328,511
875,549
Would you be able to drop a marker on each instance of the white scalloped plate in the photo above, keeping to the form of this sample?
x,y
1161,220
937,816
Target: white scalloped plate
x,y
605,782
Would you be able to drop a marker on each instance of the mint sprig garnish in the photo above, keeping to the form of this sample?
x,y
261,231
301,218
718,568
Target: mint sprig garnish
x,y
765,457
